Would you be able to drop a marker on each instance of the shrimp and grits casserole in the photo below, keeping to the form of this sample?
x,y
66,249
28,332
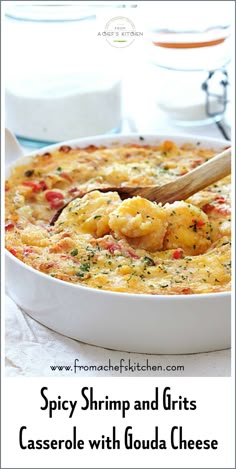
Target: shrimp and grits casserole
x,y
132,246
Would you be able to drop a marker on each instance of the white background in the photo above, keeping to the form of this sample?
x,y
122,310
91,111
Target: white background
x,y
213,419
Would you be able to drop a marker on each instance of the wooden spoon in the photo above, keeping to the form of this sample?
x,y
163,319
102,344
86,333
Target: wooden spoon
x,y
180,189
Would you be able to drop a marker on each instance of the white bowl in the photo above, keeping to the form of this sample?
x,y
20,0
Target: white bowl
x,y
123,321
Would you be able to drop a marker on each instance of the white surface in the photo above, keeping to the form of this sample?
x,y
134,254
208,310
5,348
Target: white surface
x,y
31,349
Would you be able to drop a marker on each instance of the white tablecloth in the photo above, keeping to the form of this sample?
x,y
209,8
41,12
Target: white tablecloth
x,y
33,350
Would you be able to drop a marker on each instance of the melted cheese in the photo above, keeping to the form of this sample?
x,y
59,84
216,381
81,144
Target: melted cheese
x,y
133,246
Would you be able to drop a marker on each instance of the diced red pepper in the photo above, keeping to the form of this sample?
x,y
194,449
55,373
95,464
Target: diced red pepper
x,y
186,291
28,250
220,200
37,186
65,175
9,226
68,256
223,210
199,223
74,190
112,247
13,251
56,199
52,195
177,254
132,254
207,208
43,185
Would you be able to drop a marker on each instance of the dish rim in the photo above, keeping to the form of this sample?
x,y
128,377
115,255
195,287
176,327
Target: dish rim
x,y
112,139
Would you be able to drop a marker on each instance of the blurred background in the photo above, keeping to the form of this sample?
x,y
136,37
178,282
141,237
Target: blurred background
x,y
66,78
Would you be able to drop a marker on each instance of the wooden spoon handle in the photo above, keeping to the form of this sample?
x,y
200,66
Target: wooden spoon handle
x,y
187,185
206,174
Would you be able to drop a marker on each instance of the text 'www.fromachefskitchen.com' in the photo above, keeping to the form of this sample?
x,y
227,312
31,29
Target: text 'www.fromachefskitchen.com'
x,y
121,367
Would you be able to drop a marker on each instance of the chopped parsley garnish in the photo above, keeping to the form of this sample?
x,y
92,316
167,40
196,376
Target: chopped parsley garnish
x,y
74,252
97,216
85,267
194,226
148,260
29,173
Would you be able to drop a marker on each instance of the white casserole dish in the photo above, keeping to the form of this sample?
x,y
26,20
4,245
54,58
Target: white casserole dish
x,y
122,321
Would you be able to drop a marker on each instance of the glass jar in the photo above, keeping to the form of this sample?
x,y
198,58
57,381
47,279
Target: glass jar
x,y
58,86
192,50
193,97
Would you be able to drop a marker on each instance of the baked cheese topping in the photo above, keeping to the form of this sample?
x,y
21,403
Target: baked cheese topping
x,y
100,241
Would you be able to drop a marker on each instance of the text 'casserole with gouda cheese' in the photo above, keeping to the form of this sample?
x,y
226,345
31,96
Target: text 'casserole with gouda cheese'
x,y
132,246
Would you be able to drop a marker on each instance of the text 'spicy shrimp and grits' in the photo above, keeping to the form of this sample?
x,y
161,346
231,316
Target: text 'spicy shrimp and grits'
x,y
102,242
